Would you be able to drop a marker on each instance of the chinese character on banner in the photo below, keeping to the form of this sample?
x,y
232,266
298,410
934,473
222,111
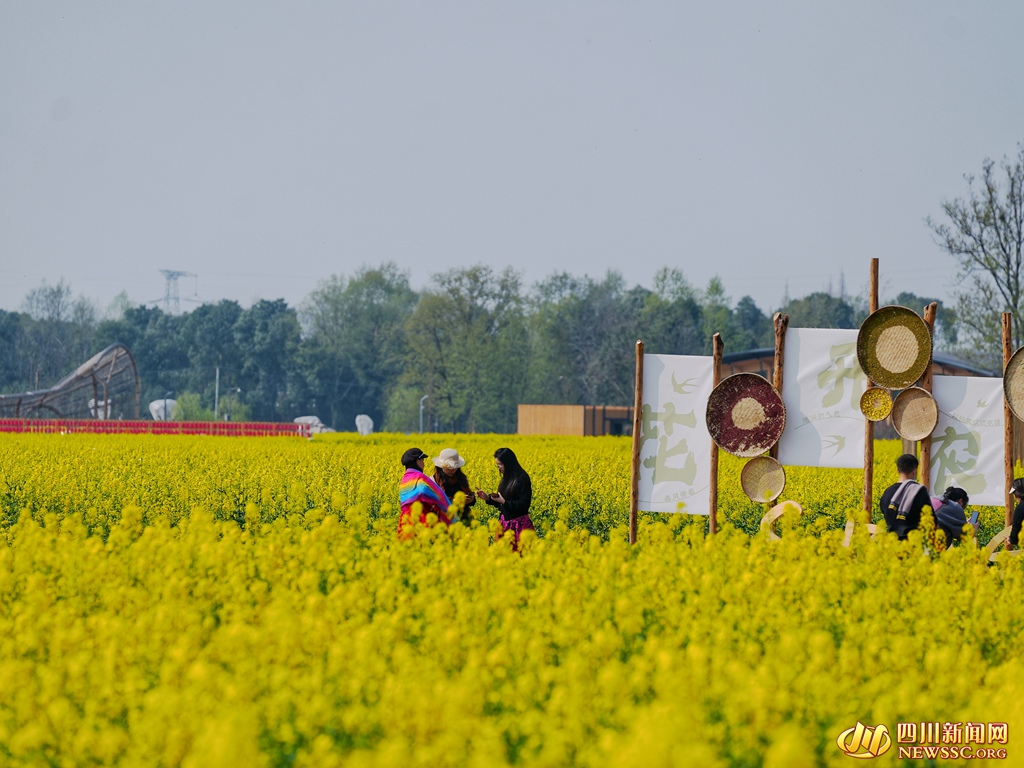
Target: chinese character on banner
x,y
674,444
967,443
821,386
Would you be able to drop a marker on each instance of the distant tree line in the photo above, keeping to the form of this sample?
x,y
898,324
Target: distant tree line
x,y
470,347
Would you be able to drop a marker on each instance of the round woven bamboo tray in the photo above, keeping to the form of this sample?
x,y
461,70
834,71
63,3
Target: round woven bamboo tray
x,y
1013,383
745,415
876,403
914,414
763,479
894,347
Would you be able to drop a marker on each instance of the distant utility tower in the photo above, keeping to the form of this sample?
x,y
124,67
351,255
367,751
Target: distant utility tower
x,y
172,299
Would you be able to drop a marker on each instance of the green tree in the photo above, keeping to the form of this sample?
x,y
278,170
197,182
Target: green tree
x,y
206,336
468,351
750,327
820,310
267,334
945,316
671,321
551,376
232,408
584,331
155,340
59,335
716,314
984,233
188,406
354,343
14,373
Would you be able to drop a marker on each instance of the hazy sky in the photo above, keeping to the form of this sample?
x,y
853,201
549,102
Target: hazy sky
x,y
266,146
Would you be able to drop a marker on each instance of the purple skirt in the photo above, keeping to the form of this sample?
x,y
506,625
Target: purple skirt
x,y
517,525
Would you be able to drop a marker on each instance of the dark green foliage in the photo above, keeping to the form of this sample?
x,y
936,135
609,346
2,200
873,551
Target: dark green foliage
x,y
821,310
354,344
945,316
467,350
583,333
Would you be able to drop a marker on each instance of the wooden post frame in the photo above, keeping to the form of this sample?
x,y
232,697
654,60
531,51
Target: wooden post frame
x,y
638,402
781,323
717,347
869,425
1008,441
926,384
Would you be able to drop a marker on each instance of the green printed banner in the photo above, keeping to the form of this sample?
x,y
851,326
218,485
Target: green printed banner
x,y
821,386
967,444
675,446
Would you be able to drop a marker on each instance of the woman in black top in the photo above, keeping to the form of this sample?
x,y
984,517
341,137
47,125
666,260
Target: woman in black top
x,y
1017,491
515,492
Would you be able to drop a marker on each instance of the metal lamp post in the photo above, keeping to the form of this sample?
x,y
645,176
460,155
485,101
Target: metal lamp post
x,y
422,400
237,391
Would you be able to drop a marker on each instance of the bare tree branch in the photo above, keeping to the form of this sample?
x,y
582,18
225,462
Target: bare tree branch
x,y
984,233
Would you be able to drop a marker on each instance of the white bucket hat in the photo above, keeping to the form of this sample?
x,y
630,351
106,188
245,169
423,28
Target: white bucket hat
x,y
449,458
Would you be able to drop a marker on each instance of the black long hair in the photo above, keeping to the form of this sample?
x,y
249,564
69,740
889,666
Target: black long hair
x,y
513,470
459,479
954,494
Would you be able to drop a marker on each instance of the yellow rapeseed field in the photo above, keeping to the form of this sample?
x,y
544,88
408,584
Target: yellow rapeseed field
x,y
191,601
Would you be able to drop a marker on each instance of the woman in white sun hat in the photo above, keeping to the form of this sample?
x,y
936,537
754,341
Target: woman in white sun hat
x,y
449,475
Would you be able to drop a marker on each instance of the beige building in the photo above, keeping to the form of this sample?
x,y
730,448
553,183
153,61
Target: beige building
x,y
575,420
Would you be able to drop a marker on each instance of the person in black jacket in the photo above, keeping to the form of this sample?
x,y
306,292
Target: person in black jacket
x,y
515,492
902,506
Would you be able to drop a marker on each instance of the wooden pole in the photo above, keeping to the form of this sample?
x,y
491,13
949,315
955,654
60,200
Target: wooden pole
x,y
716,377
869,425
638,404
1007,328
781,323
926,384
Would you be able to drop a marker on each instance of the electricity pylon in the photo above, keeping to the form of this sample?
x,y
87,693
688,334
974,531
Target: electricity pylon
x,y
172,299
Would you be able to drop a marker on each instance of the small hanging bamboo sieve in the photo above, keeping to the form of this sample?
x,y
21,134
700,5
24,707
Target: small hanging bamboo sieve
x,y
876,403
763,479
914,414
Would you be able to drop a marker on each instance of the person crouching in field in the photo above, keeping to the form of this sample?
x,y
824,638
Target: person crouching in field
x,y
515,492
418,495
449,476
951,515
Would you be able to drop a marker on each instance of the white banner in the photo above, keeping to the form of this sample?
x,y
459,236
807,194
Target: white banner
x,y
675,447
967,444
821,386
